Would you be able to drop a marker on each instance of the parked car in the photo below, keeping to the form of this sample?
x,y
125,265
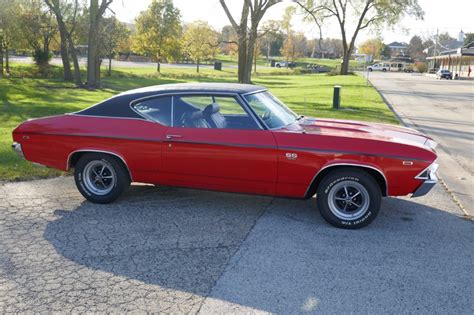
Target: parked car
x,y
317,68
444,74
235,138
284,64
409,68
379,67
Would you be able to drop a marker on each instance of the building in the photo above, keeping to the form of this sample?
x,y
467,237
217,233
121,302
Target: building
x,y
398,48
458,61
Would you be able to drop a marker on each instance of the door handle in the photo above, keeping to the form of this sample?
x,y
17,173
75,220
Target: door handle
x,y
170,137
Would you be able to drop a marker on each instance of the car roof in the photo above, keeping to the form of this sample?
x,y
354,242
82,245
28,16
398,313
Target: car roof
x,y
119,105
197,87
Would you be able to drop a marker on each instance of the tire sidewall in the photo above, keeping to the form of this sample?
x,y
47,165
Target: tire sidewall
x,y
121,182
359,177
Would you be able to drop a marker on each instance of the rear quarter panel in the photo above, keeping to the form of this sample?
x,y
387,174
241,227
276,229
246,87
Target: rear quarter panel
x,y
50,141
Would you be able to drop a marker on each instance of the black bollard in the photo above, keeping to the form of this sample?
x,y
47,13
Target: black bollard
x,y
336,99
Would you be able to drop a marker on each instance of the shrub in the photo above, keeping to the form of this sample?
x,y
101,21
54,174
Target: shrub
x,y
421,66
42,59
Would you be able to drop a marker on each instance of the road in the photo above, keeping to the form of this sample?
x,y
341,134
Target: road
x,y
170,250
443,109
123,64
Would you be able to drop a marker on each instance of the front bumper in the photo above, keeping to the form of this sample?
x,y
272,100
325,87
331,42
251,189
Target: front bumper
x,y
17,148
429,180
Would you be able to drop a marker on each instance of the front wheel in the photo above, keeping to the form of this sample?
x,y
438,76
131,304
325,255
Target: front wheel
x,y
100,178
349,198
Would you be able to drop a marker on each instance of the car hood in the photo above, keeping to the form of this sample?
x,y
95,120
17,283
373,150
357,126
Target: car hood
x,y
365,130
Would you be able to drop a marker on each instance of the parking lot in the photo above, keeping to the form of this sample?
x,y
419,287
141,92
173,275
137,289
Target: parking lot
x,y
171,250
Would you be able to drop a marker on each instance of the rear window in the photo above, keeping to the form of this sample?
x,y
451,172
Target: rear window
x,y
156,109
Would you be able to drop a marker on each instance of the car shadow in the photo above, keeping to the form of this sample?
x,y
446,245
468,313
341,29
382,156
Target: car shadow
x,y
183,240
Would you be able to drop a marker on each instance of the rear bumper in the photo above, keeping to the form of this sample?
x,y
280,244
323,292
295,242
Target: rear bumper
x,y
17,148
429,180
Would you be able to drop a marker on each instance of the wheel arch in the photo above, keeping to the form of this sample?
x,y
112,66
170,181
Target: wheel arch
x,y
376,173
75,155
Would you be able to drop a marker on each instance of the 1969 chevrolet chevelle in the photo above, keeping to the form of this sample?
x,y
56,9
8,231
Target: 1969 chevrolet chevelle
x,y
236,138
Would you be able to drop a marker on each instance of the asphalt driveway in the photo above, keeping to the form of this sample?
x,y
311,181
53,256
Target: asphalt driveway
x,y
443,109
171,250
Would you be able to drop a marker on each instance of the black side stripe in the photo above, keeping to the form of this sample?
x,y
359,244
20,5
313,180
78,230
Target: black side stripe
x,y
242,145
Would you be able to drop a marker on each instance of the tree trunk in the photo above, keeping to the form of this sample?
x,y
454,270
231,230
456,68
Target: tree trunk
x,y
64,48
1,59
197,65
109,72
313,50
92,49
242,57
158,66
7,61
249,58
77,70
255,62
345,63
97,71
269,45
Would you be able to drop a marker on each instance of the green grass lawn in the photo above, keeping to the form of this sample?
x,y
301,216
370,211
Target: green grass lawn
x,y
23,97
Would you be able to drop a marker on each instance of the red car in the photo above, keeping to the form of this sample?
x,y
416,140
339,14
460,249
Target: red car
x,y
236,138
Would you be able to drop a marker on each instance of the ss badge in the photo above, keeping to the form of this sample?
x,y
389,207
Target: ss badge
x,y
291,156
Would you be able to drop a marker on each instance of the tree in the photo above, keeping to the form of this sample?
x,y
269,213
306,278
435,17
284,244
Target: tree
x,y
271,39
247,32
96,13
228,40
446,41
112,35
317,16
158,31
372,47
415,48
469,40
199,41
38,27
66,17
366,13
9,30
294,46
386,52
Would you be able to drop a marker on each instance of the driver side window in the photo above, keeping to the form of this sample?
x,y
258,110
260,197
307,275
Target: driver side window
x,y
211,111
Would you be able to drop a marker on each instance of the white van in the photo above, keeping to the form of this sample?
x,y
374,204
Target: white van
x,y
379,67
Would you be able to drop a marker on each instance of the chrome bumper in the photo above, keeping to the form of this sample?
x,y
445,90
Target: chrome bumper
x,y
17,148
429,180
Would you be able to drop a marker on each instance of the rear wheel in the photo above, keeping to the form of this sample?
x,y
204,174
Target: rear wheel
x,y
349,198
101,178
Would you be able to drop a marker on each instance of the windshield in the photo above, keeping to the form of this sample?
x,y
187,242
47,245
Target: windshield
x,y
274,113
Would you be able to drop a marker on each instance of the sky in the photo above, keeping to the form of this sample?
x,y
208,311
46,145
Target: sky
x,y
447,16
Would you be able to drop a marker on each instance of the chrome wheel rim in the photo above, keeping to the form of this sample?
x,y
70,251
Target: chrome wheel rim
x,y
348,200
99,177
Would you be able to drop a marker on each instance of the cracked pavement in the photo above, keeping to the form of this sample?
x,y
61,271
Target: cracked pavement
x,y
172,250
